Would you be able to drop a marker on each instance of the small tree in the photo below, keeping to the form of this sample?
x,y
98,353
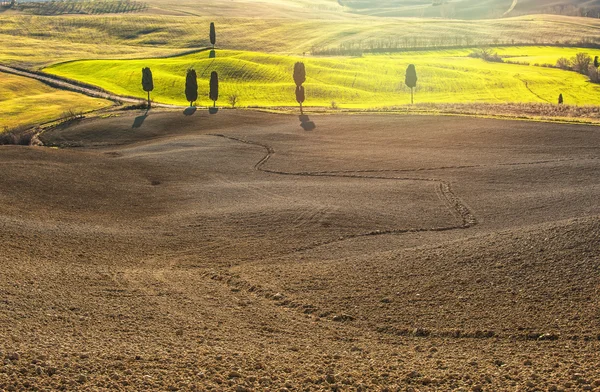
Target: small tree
x,y
213,35
596,62
234,99
411,80
191,86
560,99
581,63
214,88
563,63
147,82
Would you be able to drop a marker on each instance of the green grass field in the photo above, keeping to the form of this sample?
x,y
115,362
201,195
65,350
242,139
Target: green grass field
x,y
372,81
25,102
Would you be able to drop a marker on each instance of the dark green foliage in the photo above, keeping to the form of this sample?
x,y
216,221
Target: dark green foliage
x,y
147,82
214,87
411,80
596,63
411,76
560,99
191,86
213,35
299,74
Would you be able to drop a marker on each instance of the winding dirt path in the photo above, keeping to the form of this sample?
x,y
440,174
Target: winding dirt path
x,y
512,7
91,91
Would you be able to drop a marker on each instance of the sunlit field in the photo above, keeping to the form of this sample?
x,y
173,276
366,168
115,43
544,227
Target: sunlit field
x,y
34,41
24,102
282,216
371,81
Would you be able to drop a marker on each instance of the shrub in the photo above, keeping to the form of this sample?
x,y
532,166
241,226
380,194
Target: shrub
x,y
234,100
70,115
594,75
563,63
581,63
16,136
486,55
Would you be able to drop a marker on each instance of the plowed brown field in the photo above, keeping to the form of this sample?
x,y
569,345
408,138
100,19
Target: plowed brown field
x,y
239,252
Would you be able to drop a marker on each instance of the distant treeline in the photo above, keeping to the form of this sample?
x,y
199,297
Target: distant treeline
x,y
566,10
401,44
60,7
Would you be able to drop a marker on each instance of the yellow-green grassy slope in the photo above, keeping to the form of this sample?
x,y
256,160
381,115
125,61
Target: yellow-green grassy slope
x,y
25,102
365,82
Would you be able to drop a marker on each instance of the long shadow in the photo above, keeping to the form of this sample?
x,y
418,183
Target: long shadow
x,y
212,54
139,120
306,124
189,111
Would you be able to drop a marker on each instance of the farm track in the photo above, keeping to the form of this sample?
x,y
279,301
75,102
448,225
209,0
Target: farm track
x,y
444,189
90,91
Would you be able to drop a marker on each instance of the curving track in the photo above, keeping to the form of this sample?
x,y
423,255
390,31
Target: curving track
x,y
453,202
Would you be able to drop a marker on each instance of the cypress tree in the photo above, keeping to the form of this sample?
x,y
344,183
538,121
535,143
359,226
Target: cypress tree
x,y
214,87
299,74
191,86
147,82
411,80
213,34
299,79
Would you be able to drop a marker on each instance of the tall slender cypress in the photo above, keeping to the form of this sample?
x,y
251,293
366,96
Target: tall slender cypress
x,y
191,86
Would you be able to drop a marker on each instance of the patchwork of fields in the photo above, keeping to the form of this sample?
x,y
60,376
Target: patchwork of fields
x,y
372,81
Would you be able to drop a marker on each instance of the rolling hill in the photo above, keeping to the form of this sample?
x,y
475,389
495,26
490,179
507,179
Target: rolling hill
x,y
372,81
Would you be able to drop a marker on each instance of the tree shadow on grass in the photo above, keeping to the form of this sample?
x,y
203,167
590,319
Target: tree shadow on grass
x,y
189,111
212,54
139,120
213,110
306,124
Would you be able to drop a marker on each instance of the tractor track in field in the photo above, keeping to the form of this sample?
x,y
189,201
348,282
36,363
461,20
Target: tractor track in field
x,y
444,191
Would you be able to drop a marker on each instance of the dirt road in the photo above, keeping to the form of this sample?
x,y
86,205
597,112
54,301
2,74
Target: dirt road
x,y
239,252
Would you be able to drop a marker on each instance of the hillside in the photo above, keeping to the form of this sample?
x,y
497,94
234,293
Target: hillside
x,y
27,102
365,82
34,41
471,9
237,252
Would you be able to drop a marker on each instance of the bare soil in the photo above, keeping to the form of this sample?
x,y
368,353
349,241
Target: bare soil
x,y
239,252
